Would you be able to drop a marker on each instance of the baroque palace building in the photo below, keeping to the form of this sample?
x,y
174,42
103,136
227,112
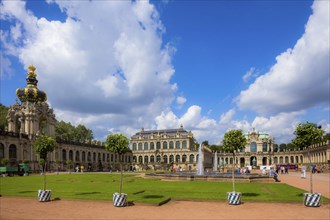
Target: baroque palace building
x,y
33,116
165,149
259,151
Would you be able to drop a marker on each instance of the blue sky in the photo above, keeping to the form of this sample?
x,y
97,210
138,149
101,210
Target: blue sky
x,y
118,66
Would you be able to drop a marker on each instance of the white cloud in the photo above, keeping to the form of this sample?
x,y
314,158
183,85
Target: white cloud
x,y
180,100
251,73
300,77
106,59
227,117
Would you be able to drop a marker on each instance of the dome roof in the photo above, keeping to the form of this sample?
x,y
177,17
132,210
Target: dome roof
x,y
31,93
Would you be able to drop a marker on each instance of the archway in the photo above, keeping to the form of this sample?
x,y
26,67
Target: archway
x,y
253,161
242,162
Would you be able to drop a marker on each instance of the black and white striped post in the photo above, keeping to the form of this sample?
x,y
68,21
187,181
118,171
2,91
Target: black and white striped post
x,y
119,199
312,199
234,198
44,195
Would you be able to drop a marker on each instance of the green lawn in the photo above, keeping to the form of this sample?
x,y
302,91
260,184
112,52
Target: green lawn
x,y
102,186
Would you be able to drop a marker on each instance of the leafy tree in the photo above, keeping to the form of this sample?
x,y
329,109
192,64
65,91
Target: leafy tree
x,y
4,161
118,143
205,143
233,141
66,131
68,164
215,148
3,116
275,147
290,146
282,147
42,146
307,134
326,137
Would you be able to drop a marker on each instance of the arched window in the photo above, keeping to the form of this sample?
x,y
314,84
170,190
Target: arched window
x,y
264,147
152,159
108,157
140,159
297,159
191,158
83,156
103,157
71,155
275,160
184,144
12,151
286,159
134,159
64,155
171,158
89,156
158,159
112,158
158,146
77,156
281,160
145,159
99,157
165,159
177,144
184,158
145,146
152,146
292,159
94,156
171,145
2,150
253,147
164,145
177,158
134,146
139,146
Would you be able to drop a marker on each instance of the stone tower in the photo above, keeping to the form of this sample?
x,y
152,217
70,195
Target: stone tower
x,y
33,116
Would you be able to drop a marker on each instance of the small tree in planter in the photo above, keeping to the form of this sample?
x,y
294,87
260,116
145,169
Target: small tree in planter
x,y
42,146
118,143
308,134
4,162
57,162
233,141
26,162
68,165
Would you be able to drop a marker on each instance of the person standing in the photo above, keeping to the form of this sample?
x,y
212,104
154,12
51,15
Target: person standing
x,y
303,172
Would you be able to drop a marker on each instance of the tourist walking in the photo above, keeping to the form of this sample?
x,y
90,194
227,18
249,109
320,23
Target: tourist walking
x,y
303,172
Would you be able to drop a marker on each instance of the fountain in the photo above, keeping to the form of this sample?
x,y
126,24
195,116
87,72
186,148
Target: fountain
x,y
200,167
215,162
209,176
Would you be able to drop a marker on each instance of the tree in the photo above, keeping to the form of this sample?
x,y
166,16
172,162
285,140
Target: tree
x,y
3,117
282,147
326,137
66,131
233,141
118,143
307,134
290,146
42,146
275,147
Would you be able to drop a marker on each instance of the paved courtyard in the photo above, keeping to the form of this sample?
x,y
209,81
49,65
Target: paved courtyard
x,y
30,208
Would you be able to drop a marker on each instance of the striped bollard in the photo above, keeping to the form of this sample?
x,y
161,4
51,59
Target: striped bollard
x,y
312,199
119,200
234,198
44,195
